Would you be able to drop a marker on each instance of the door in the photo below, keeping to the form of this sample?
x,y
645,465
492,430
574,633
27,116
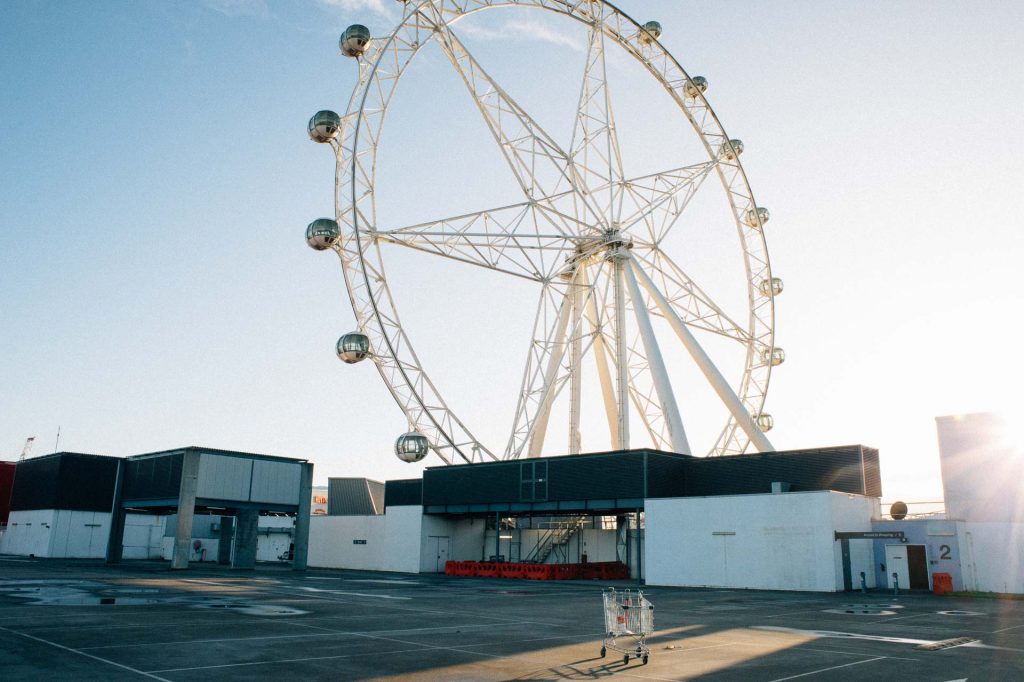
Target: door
x,y
896,562
441,543
917,564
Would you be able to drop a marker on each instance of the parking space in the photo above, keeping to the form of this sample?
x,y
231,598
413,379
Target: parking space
x,y
83,620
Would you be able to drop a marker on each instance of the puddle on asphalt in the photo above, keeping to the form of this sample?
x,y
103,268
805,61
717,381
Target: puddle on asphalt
x,y
86,593
958,612
252,609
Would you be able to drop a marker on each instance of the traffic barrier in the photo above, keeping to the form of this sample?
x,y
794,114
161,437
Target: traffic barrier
x,y
511,570
565,571
486,569
603,570
942,583
538,571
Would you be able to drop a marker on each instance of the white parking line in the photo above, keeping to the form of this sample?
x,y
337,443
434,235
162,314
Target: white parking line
x,y
82,653
354,594
260,638
835,667
1014,627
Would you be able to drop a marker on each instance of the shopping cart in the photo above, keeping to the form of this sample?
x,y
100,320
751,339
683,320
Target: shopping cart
x,y
628,619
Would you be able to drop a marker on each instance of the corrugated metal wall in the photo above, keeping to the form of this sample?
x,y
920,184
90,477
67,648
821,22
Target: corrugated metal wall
x,y
275,482
65,481
224,478
623,475
354,497
6,487
221,477
872,472
838,469
403,492
153,478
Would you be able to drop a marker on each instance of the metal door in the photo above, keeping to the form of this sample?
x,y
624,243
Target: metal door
x,y
896,562
441,544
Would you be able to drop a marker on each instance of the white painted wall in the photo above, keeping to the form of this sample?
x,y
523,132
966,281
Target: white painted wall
x,y
465,541
274,538
58,533
992,556
393,541
210,545
854,513
28,533
79,534
772,542
143,536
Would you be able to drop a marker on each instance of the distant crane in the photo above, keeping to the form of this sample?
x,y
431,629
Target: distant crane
x,y
27,449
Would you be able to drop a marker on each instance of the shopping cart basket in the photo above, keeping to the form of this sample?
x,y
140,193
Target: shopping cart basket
x,y
628,619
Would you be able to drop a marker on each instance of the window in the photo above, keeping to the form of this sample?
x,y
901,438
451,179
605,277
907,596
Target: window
x,y
533,481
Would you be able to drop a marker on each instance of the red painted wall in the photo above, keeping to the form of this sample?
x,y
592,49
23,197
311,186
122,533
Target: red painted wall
x,y
6,485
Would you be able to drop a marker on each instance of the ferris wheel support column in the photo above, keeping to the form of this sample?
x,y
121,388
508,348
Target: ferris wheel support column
x,y
621,354
601,359
575,361
669,409
540,423
711,373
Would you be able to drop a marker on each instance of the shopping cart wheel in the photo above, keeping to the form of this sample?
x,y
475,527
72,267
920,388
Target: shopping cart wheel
x,y
603,652
645,659
625,659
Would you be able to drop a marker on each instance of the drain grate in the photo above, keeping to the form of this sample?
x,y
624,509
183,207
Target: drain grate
x,y
861,611
945,644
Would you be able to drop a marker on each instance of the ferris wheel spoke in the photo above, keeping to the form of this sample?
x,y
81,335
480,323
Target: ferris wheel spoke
x,y
714,377
523,240
656,201
541,167
691,303
595,146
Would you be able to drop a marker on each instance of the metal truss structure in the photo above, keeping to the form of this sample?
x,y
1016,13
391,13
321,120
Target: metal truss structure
x,y
591,239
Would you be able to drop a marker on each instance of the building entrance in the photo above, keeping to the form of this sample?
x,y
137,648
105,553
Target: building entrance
x,y
909,563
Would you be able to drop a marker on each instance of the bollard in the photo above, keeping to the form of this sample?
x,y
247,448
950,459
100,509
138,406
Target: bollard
x,y
895,584
863,583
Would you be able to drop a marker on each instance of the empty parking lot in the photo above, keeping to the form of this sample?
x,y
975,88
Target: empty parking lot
x,y
83,621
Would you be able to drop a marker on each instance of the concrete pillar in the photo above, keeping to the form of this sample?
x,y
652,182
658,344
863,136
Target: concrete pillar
x,y
115,541
301,538
186,509
246,524
227,536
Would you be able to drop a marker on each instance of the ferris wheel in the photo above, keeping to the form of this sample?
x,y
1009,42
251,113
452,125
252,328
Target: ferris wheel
x,y
612,299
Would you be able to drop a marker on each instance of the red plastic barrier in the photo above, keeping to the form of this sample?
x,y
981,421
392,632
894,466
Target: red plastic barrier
x,y
942,583
510,570
486,569
565,571
604,570
539,571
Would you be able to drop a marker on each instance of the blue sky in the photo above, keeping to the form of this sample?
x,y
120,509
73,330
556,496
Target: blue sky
x,y
155,180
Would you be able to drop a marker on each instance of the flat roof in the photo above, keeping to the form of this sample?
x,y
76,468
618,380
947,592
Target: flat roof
x,y
215,451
